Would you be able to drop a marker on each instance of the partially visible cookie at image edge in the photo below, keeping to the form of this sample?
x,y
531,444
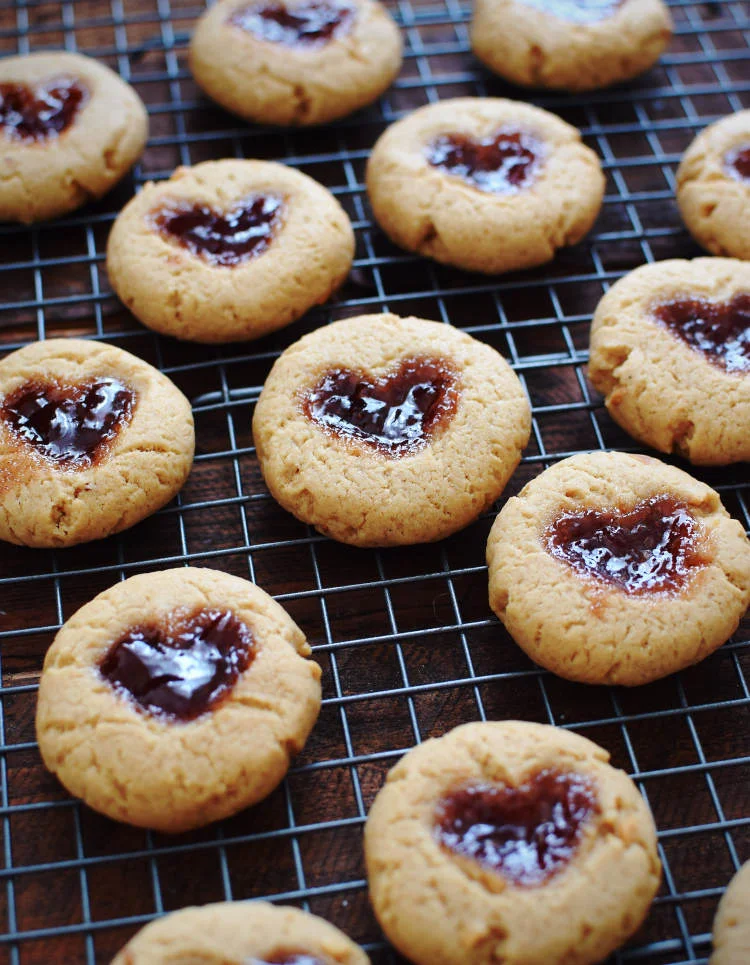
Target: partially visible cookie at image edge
x,y
70,129
92,440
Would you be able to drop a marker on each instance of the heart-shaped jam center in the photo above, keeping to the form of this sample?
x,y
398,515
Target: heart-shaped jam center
x,y
42,112
525,833
72,425
397,414
223,238
737,162
653,547
287,958
503,163
311,23
183,669
577,11
720,331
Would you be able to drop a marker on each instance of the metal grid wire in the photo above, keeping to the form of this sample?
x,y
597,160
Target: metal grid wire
x,y
404,637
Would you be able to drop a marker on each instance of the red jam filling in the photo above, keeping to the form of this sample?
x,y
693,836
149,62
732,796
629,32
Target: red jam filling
x,y
720,331
72,425
397,414
526,833
312,23
225,238
42,112
651,548
737,162
503,163
183,670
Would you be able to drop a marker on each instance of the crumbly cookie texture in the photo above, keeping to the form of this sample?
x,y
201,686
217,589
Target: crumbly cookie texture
x,y
441,216
44,180
45,504
274,83
176,292
355,493
714,205
587,630
235,933
154,772
535,48
438,909
732,923
658,388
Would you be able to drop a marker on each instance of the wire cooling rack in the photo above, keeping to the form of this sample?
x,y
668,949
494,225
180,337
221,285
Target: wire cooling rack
x,y
405,637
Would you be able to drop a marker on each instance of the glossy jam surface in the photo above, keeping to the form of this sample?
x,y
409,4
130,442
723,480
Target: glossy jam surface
x,y
526,833
397,414
719,330
311,23
737,162
287,958
72,425
501,164
651,548
577,11
225,238
41,112
183,670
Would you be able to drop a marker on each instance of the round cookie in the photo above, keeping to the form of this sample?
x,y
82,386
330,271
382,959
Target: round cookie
x,y
70,130
509,842
92,440
484,184
241,933
732,923
295,62
713,187
176,698
229,250
573,45
387,431
670,352
610,568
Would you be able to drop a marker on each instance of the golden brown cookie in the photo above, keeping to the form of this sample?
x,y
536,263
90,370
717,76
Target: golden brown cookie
x,y
610,568
295,61
92,440
572,45
70,129
484,184
176,698
670,352
509,842
385,431
229,250
732,923
713,187
241,933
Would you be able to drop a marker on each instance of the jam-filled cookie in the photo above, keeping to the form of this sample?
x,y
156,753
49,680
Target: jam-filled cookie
x,y
713,187
486,184
385,431
670,352
229,250
70,130
611,568
732,923
572,45
509,842
241,933
92,440
176,698
295,62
